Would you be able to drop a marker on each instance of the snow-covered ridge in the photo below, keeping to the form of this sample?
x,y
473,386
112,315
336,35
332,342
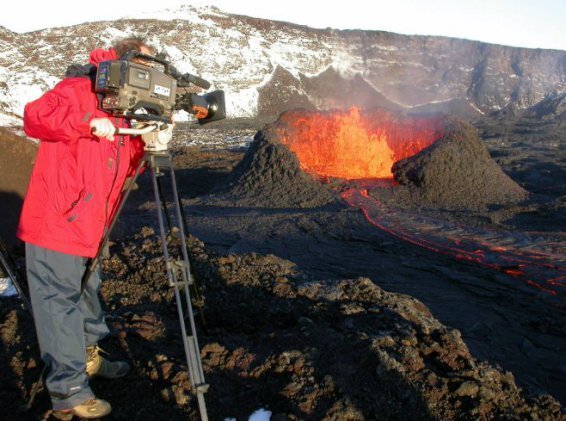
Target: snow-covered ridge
x,y
241,55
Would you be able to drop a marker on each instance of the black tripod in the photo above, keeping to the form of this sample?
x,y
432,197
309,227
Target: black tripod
x,y
10,268
178,271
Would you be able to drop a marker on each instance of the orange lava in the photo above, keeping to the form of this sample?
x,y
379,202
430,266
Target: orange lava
x,y
352,145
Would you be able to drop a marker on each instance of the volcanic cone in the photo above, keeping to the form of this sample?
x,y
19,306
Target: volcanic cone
x,y
270,175
457,173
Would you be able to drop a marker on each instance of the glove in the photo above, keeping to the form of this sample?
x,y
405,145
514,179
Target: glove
x,y
165,134
103,128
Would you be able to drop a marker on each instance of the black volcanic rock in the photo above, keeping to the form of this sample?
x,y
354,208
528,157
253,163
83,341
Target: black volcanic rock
x,y
283,91
457,173
553,107
270,176
327,90
340,92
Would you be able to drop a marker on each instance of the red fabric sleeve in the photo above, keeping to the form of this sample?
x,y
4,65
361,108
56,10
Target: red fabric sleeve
x,y
58,115
136,154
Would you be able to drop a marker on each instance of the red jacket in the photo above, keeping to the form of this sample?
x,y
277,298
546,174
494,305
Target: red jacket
x,y
77,179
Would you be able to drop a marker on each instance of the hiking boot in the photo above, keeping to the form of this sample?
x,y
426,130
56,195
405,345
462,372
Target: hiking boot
x,y
98,366
89,409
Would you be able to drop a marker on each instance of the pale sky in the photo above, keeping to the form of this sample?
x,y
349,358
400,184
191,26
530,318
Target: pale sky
x,y
521,23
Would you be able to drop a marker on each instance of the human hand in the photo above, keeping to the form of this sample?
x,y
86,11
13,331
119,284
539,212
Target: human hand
x,y
103,127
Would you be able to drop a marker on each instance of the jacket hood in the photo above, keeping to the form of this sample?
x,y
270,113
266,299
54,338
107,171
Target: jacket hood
x,y
100,55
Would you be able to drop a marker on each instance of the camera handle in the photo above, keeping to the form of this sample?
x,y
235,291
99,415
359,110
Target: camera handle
x,y
178,271
138,131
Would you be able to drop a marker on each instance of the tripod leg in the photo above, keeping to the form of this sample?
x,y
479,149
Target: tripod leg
x,y
190,343
199,381
164,205
8,264
183,222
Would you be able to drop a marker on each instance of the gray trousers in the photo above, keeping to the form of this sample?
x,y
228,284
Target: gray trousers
x,y
66,321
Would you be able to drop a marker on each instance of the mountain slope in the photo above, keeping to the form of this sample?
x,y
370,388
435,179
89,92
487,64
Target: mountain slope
x,y
247,56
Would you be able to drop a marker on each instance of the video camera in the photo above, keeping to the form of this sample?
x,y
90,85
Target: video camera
x,y
149,91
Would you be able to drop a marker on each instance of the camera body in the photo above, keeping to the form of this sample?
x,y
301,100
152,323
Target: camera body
x,y
150,92
128,87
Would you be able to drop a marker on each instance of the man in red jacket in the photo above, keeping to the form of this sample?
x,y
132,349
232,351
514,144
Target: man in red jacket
x,y
73,194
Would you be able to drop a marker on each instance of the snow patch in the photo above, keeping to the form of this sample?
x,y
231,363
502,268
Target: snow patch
x,y
241,103
259,415
185,12
10,121
7,289
23,88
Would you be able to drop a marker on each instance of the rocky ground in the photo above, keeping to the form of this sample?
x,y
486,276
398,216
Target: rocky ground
x,y
309,311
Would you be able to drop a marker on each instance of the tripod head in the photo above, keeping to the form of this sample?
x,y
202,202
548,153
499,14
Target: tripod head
x,y
155,134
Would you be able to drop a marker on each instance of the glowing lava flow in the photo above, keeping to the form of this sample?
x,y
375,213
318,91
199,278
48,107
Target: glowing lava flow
x,y
355,146
541,265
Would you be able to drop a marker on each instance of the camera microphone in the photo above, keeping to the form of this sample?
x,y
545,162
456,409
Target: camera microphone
x,y
185,79
195,80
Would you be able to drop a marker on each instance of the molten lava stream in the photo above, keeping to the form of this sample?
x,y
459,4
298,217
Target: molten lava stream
x,y
533,267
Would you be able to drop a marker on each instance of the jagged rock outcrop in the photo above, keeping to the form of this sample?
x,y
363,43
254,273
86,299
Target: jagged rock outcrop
x,y
552,107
